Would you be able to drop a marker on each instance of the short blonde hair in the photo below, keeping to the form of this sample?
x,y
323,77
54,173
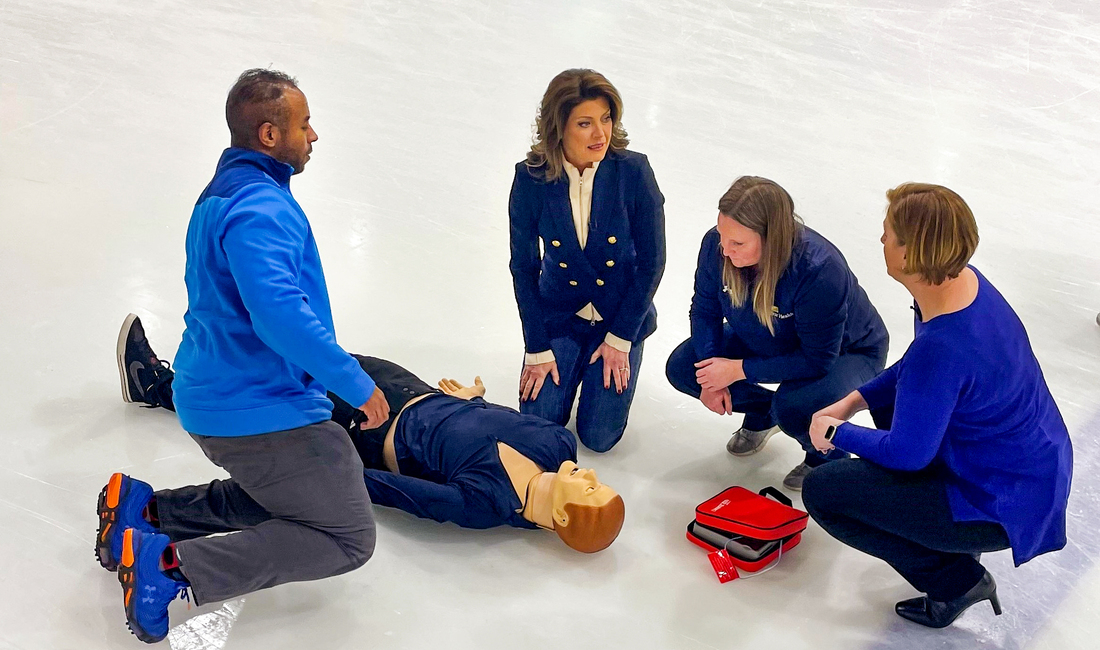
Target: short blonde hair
x,y
937,228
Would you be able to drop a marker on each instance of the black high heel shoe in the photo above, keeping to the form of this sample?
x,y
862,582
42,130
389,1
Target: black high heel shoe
x,y
933,613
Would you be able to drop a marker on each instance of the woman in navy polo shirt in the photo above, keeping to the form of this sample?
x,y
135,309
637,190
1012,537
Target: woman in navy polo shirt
x,y
976,457
585,294
794,316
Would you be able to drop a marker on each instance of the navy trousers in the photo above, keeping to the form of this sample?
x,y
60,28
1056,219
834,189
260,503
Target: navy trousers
x,y
903,518
796,400
602,412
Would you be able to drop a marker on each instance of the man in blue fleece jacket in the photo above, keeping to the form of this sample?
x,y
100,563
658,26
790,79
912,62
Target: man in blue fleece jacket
x,y
258,355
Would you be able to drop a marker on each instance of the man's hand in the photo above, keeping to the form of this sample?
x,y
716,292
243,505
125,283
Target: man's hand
x,y
718,401
377,410
616,363
716,373
532,378
455,389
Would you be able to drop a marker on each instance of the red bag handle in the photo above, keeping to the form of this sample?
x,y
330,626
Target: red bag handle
x,y
777,495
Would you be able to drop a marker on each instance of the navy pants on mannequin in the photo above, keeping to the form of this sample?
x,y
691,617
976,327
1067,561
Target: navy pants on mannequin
x,y
796,400
602,412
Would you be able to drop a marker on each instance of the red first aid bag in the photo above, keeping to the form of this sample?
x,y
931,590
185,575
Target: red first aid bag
x,y
746,530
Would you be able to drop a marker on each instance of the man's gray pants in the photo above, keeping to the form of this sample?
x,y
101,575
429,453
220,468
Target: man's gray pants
x,y
296,505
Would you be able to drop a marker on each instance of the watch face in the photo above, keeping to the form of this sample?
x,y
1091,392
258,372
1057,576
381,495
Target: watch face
x,y
830,432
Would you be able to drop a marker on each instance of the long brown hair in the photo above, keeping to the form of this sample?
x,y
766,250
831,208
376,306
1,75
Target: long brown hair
x,y
565,92
765,208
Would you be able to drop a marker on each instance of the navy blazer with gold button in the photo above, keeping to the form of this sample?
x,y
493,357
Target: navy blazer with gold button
x,y
618,270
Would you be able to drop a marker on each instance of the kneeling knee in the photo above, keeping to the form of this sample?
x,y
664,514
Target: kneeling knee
x,y
359,545
812,486
824,487
791,418
680,372
601,440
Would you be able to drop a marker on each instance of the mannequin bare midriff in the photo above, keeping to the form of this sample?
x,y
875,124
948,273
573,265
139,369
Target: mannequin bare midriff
x,y
526,477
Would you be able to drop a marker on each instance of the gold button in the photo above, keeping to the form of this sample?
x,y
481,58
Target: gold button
x,y
555,243
611,262
563,265
572,283
599,282
611,239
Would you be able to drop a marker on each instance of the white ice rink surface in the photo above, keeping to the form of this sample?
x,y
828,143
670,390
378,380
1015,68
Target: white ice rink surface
x,y
111,121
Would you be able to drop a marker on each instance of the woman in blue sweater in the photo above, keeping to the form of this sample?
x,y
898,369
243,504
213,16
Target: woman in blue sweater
x,y
977,457
794,315
588,250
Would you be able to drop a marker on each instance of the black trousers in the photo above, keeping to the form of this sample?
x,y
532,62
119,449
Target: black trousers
x,y
902,518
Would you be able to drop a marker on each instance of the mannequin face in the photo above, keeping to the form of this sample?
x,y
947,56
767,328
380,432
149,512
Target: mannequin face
x,y
578,486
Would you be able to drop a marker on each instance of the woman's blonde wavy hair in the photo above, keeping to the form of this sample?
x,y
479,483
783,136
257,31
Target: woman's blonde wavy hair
x,y
765,208
565,92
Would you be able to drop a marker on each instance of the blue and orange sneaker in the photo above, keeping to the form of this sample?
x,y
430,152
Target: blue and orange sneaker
x,y
120,504
146,590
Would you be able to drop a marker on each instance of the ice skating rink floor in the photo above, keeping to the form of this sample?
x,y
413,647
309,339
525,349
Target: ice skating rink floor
x,y
111,121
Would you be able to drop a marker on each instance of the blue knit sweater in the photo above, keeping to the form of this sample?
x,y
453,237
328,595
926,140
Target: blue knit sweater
x,y
970,402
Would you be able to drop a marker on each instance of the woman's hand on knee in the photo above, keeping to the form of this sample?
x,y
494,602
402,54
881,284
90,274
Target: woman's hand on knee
x,y
717,373
718,401
533,377
616,363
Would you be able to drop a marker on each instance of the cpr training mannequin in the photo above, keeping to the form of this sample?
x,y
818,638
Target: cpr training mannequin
x,y
452,456
444,454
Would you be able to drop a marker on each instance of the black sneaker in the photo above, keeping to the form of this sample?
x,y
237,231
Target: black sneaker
x,y
145,378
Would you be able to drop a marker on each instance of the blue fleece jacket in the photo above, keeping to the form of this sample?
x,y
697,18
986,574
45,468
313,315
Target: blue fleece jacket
x,y
259,350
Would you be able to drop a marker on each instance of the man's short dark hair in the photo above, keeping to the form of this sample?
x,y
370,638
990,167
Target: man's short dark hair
x,y
257,97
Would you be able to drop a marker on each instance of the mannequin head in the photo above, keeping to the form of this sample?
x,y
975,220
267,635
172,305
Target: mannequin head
x,y
587,514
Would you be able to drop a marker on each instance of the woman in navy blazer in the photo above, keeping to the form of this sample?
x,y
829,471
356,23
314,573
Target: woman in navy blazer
x,y
587,253
774,303
976,457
